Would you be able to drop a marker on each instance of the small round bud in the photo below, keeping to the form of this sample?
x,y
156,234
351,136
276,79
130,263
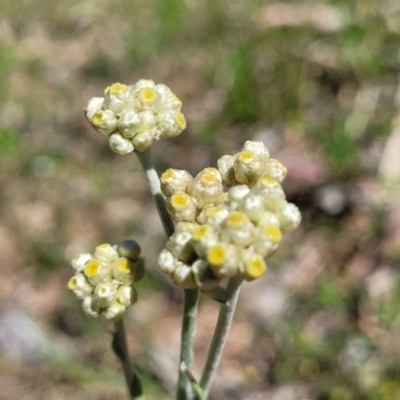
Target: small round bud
x,y
97,271
238,229
183,276
276,170
80,286
106,253
267,240
94,105
253,206
79,262
167,262
123,270
88,309
223,260
289,216
129,123
119,144
170,123
143,83
104,294
147,98
180,245
203,237
270,190
252,266
104,121
213,216
207,189
118,98
143,140
249,167
256,148
126,295
182,207
225,167
129,249
115,312
175,180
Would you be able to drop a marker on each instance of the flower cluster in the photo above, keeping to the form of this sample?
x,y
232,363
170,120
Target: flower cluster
x,y
104,280
133,116
220,235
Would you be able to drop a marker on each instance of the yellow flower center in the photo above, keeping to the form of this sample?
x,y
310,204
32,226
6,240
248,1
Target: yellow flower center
x,y
73,283
268,180
168,174
236,219
255,267
273,232
115,88
200,232
147,95
92,268
246,155
180,200
180,121
217,255
97,119
124,266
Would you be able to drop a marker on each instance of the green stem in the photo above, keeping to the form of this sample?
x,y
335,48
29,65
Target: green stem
x,y
184,391
120,348
225,316
190,295
155,189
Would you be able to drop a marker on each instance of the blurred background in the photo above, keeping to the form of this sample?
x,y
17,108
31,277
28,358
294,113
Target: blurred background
x,y
316,81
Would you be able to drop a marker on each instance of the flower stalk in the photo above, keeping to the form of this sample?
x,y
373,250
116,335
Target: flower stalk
x,y
120,348
225,316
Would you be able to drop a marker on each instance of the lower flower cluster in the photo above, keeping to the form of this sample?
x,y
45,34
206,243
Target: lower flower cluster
x,y
224,234
104,280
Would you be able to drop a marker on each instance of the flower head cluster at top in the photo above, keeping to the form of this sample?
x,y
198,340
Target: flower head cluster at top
x,y
133,116
224,234
104,280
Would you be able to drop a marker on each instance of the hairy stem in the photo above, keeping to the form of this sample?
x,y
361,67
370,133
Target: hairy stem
x,y
190,295
225,316
184,391
155,189
120,348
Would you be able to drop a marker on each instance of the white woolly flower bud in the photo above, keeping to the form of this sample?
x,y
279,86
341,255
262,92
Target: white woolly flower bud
x,y
147,99
267,240
119,144
80,286
271,191
252,265
223,260
123,270
175,180
225,167
104,121
183,276
276,170
118,98
204,237
126,295
142,140
104,294
182,207
253,206
167,262
212,171
257,148
289,216
213,216
249,167
180,245
238,229
129,123
105,252
88,309
142,83
169,101
115,312
207,189
94,105
170,123
97,271
235,195
78,263
266,218
203,275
